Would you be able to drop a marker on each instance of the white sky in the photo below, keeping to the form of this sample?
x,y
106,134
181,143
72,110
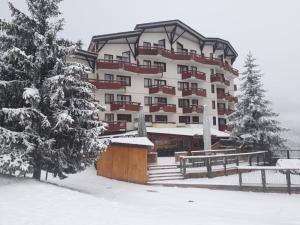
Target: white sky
x,y
269,28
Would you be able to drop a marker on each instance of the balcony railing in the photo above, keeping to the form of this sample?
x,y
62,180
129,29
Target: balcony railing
x,y
115,126
107,84
194,91
224,127
193,74
219,78
131,67
193,109
163,89
226,97
224,111
162,107
123,105
187,56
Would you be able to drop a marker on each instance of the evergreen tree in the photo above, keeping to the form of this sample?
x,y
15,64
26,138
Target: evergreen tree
x,y
254,122
48,115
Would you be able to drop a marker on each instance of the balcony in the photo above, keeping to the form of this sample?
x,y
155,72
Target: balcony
x,y
193,109
224,111
122,105
107,84
193,74
164,89
187,56
115,126
224,127
226,97
219,78
162,107
131,67
194,91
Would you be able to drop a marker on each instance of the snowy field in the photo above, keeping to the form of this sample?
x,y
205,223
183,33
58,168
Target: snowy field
x,y
87,199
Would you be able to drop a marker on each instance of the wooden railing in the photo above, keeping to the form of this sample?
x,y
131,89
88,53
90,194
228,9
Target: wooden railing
x,y
224,111
194,91
162,88
123,105
219,78
207,162
107,84
227,97
195,74
162,107
131,67
187,56
225,127
193,109
114,126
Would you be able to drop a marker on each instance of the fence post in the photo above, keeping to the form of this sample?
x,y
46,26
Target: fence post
x,y
288,181
240,177
184,167
288,153
263,179
225,163
250,160
257,159
208,166
237,160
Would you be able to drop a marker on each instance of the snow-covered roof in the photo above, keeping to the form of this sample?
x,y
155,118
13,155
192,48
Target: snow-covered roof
x,y
183,131
143,141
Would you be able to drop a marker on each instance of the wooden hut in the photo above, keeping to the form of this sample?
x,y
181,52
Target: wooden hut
x,y
125,159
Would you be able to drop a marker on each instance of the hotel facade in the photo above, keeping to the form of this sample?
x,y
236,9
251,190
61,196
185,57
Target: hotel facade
x,y
168,68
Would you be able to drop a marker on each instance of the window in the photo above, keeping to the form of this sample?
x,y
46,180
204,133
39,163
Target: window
x,y
195,102
222,121
195,119
147,63
109,98
182,68
109,117
213,104
193,52
211,55
119,58
126,56
161,119
160,82
125,79
162,43
214,121
124,98
194,68
124,117
183,103
235,87
161,65
148,118
194,86
221,106
212,71
182,85
108,57
147,82
108,77
148,100
159,100
146,44
212,88
179,47
220,90
184,119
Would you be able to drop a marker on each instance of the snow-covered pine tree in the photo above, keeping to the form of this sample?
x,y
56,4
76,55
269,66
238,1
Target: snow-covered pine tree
x,y
48,114
254,123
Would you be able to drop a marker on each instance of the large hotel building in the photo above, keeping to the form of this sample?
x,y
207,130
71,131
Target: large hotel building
x,y
168,68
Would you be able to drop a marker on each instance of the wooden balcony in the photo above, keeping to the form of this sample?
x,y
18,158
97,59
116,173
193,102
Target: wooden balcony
x,y
194,91
193,109
122,105
107,84
187,56
165,89
131,67
226,97
220,79
224,111
115,126
224,127
162,107
193,74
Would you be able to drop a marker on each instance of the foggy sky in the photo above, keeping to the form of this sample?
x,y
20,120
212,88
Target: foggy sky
x,y
270,29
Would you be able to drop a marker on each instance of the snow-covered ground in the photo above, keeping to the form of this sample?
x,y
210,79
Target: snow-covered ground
x,y
87,199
